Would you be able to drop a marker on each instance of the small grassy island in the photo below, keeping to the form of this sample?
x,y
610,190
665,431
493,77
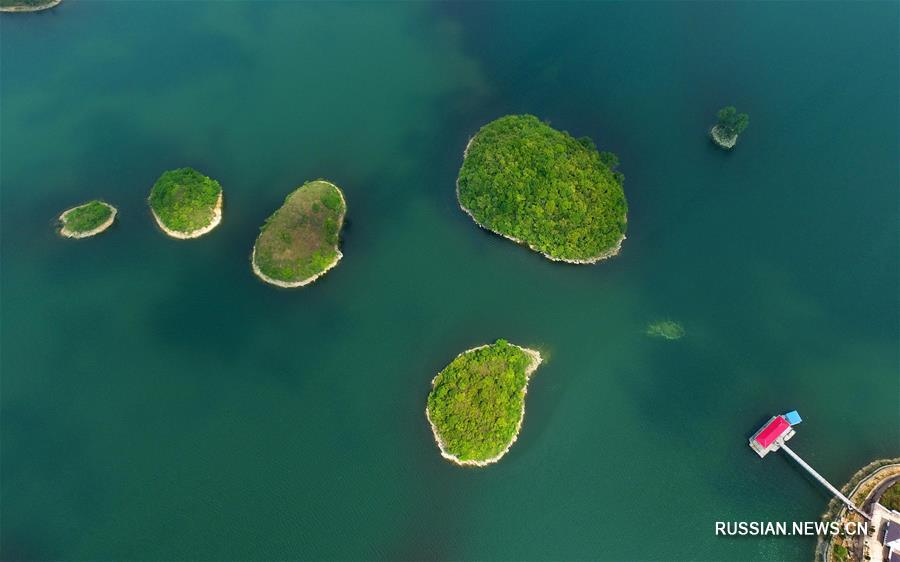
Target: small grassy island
x,y
477,403
27,5
541,187
87,220
185,203
299,242
731,124
668,329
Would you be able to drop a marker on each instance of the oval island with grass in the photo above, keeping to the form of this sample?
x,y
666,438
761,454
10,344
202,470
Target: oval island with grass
x,y
87,220
299,242
541,187
185,203
477,403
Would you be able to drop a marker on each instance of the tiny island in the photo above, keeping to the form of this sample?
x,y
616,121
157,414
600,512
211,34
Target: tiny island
x,y
542,188
185,203
477,403
27,5
300,241
731,124
87,220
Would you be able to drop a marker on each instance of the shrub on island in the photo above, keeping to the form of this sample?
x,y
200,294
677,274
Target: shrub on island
x,y
730,125
185,203
541,187
477,403
299,242
87,220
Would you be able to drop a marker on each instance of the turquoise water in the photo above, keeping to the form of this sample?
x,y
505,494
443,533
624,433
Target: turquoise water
x,y
160,403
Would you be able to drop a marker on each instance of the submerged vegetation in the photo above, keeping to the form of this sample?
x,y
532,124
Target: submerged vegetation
x,y
299,241
542,187
184,200
668,329
477,402
88,219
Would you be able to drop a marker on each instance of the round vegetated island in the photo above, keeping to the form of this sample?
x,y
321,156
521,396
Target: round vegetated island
x,y
477,403
540,187
300,242
185,203
87,220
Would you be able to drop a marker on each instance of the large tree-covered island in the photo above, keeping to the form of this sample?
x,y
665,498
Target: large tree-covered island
x,y
185,203
541,187
477,403
86,220
299,242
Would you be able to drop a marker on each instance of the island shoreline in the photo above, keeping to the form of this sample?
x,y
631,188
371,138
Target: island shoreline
x,y
721,141
605,255
536,361
26,9
88,233
303,282
177,234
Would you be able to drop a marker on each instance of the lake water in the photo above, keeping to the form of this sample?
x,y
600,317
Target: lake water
x,y
161,403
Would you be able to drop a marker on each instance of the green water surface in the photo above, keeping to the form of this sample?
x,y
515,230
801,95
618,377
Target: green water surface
x,y
161,403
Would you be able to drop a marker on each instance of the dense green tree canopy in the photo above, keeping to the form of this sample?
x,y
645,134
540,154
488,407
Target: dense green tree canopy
x,y
300,239
731,122
184,199
476,401
523,179
86,217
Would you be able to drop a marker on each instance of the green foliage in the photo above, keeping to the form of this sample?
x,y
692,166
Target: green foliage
x,y
184,199
87,217
668,329
301,238
731,123
840,553
476,401
526,180
891,497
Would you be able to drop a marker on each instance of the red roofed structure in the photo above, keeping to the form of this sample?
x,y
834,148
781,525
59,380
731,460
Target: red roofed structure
x,y
771,436
772,431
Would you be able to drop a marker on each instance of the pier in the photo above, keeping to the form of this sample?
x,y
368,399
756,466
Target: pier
x,y
772,436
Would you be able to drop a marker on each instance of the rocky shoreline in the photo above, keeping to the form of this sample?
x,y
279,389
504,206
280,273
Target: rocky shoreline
x,y
721,140
25,8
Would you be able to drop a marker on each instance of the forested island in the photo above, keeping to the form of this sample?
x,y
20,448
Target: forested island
x,y
540,187
86,220
27,5
477,403
730,125
185,203
299,242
